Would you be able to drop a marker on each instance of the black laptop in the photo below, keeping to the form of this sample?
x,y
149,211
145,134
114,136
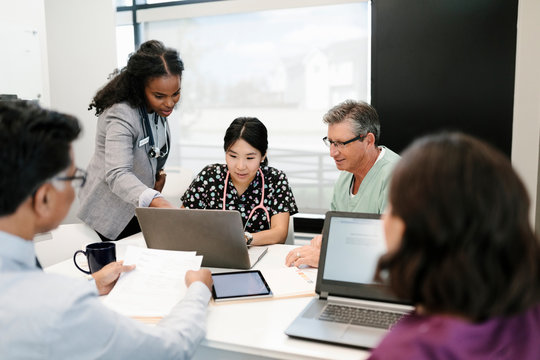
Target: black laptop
x,y
351,309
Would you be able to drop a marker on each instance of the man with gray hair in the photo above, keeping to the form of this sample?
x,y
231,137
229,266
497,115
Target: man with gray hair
x,y
366,167
353,139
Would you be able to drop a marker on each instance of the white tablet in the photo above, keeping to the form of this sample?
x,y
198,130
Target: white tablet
x,y
238,285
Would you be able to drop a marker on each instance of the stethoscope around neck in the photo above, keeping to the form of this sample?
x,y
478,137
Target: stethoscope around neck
x,y
154,151
260,206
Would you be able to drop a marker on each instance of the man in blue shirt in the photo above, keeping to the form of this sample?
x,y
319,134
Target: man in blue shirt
x,y
48,316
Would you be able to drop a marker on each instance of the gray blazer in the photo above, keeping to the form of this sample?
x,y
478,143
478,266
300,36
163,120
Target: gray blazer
x,y
118,173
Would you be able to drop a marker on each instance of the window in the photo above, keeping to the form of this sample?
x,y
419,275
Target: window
x,y
286,67
124,43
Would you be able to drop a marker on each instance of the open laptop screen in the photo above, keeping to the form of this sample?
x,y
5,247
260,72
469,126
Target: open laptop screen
x,y
351,247
356,245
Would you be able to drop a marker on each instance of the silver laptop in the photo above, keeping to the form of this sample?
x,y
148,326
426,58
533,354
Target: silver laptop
x,y
351,309
217,235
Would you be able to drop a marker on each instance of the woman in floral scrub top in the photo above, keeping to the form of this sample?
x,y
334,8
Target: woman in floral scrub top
x,y
238,185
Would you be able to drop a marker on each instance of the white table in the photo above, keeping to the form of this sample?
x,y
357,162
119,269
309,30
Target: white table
x,y
248,330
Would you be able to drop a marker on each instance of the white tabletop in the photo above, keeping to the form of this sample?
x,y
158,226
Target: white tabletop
x,y
249,328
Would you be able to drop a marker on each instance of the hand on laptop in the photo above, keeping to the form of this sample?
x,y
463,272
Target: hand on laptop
x,y
306,255
203,275
107,276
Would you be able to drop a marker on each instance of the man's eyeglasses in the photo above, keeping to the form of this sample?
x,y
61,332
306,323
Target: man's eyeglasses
x,y
78,179
340,145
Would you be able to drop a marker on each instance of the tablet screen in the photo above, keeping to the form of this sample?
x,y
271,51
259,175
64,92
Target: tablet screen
x,y
240,284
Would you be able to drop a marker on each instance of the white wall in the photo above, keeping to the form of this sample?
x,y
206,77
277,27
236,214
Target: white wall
x,y
81,45
526,127
23,64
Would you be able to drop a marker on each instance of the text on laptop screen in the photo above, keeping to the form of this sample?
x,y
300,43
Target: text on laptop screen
x,y
354,248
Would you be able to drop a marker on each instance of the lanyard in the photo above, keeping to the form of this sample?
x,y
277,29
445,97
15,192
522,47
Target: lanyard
x,y
154,151
260,206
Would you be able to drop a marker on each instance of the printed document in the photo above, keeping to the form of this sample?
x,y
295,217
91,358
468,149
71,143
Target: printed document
x,y
155,285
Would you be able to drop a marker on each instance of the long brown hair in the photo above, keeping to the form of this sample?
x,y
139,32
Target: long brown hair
x,y
468,248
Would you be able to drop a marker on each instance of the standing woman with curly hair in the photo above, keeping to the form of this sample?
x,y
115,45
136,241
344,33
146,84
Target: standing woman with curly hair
x,y
132,141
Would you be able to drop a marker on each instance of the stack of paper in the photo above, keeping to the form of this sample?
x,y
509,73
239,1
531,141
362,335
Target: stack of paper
x,y
155,285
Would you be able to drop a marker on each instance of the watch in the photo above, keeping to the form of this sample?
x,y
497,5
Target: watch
x,y
249,238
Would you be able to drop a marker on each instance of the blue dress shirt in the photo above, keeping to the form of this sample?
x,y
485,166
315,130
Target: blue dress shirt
x,y
46,316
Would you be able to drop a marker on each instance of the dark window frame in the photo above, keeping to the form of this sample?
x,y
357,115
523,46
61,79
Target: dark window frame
x,y
135,7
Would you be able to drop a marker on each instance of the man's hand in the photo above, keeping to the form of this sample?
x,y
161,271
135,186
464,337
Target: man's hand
x,y
203,275
306,255
109,274
316,241
161,176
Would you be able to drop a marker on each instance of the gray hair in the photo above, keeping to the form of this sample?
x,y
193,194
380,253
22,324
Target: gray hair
x,y
362,116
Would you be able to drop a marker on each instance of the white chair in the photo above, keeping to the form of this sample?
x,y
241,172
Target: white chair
x,y
62,242
177,182
290,235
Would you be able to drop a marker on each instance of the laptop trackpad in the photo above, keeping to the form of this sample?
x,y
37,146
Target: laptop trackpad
x,y
370,336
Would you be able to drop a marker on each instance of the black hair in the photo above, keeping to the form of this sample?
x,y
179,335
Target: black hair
x,y
363,117
35,147
249,129
151,60
468,248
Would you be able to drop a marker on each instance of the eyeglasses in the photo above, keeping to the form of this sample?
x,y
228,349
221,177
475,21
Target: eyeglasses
x,y
78,179
340,145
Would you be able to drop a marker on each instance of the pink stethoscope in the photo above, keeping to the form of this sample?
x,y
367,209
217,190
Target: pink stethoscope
x,y
260,206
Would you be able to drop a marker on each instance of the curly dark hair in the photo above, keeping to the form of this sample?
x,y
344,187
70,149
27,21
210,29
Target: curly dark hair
x,y
468,248
151,60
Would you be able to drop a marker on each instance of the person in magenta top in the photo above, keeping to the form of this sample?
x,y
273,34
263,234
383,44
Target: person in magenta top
x,y
461,248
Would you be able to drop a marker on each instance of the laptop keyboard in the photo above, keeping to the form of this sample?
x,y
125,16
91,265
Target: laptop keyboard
x,y
359,316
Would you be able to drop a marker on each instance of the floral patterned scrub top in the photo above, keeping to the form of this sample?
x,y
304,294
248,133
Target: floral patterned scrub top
x,y
206,192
